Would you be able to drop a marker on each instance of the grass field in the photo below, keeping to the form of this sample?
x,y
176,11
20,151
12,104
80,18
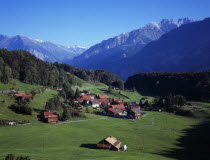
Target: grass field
x,y
149,138
76,140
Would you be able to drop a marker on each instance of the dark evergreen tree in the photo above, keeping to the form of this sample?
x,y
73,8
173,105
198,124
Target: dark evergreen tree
x,y
66,114
77,93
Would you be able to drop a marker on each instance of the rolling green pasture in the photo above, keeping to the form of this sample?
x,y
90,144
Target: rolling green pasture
x,y
17,85
76,140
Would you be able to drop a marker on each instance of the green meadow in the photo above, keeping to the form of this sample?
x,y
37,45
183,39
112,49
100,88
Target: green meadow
x,y
76,140
149,138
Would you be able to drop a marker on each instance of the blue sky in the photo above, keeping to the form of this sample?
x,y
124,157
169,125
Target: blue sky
x,y
87,22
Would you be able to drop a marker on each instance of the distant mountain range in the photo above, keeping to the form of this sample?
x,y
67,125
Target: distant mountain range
x,y
109,53
44,50
186,48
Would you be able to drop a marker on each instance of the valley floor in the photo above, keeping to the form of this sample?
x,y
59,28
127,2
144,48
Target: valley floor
x,y
77,140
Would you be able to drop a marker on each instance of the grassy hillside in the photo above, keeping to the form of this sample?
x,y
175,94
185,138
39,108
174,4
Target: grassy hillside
x,y
17,85
76,140
38,101
125,95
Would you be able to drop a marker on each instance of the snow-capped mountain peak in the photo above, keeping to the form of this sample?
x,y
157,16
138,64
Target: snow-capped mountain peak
x,y
41,49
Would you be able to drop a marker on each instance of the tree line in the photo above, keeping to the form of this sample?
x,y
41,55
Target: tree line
x,y
192,85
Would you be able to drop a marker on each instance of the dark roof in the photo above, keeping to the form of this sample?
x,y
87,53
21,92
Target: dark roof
x,y
93,100
136,110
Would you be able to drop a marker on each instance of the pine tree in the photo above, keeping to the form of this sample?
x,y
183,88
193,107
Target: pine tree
x,y
66,114
77,93
110,89
141,103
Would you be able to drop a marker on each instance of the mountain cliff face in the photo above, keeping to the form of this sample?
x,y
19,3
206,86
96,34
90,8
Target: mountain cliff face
x,y
186,48
44,50
107,54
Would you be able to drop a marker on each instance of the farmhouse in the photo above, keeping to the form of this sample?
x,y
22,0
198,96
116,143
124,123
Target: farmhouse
x,y
51,117
92,95
81,99
109,143
120,106
95,103
134,113
104,101
114,112
101,96
23,96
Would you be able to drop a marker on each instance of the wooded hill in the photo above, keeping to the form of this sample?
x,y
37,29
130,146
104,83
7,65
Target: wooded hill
x,y
192,85
21,65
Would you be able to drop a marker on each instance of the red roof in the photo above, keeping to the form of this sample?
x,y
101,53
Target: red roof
x,y
112,110
49,113
120,106
116,100
104,100
23,95
83,98
102,96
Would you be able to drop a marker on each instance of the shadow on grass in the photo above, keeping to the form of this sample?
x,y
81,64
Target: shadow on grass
x,y
194,145
40,114
90,146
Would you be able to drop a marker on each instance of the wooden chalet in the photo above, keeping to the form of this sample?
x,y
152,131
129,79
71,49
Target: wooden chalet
x,y
23,96
110,143
120,106
101,96
95,103
134,113
114,112
82,98
92,95
104,101
51,117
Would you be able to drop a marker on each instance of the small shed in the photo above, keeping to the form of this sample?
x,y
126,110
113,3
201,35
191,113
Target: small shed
x,y
110,143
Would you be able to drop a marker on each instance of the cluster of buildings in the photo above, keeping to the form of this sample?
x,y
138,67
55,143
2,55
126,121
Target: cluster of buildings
x,y
113,107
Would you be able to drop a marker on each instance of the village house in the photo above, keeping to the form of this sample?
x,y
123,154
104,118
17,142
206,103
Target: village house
x,y
23,96
95,103
114,112
104,102
51,117
82,98
101,96
134,113
110,143
133,106
120,106
92,95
